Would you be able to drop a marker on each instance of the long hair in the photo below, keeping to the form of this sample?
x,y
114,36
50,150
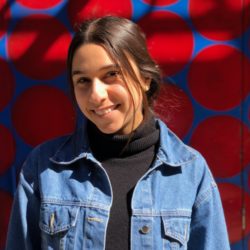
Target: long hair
x,y
122,39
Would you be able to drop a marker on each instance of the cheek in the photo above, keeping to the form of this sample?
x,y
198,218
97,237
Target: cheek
x,y
132,100
118,93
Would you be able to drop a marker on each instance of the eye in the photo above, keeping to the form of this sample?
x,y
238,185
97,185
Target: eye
x,y
113,74
82,80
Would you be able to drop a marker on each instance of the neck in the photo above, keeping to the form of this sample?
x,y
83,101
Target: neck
x,y
106,146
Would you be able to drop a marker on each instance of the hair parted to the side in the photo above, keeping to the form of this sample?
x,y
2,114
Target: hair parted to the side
x,y
121,38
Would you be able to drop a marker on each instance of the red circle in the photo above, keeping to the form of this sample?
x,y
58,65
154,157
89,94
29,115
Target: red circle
x,y
6,203
42,113
169,39
38,46
4,16
174,108
34,4
219,139
160,2
220,20
215,77
232,199
7,147
7,84
80,10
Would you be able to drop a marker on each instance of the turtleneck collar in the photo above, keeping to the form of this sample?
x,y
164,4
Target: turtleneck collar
x,y
106,146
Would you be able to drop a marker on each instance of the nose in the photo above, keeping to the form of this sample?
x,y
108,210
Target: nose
x,y
98,92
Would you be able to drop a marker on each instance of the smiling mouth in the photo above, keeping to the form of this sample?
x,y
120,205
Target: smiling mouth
x,y
105,111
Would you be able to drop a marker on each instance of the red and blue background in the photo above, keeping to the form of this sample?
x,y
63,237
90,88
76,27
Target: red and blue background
x,y
203,48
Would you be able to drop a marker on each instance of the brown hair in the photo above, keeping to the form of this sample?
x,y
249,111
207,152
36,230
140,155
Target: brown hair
x,y
121,38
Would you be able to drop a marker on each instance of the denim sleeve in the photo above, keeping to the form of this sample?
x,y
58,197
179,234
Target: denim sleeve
x,y
23,231
208,227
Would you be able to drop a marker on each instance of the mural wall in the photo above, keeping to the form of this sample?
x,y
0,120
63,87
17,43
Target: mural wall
x,y
203,48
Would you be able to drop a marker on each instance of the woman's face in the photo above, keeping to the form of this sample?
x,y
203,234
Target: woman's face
x,y
101,93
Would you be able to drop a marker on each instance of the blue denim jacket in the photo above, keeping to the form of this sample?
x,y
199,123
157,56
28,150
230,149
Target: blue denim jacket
x,y
64,197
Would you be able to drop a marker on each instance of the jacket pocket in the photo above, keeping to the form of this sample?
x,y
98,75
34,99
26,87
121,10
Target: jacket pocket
x,y
57,224
176,232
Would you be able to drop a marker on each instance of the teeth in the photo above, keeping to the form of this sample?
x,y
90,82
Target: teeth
x,y
104,111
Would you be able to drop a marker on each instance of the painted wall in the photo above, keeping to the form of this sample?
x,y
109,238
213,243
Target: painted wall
x,y
203,48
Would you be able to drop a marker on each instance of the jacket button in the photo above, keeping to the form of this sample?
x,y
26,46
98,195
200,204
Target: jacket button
x,y
145,230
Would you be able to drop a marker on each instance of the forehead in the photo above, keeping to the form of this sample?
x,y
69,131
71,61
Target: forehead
x,y
90,57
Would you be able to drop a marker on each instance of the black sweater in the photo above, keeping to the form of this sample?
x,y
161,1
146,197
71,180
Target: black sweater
x,y
125,158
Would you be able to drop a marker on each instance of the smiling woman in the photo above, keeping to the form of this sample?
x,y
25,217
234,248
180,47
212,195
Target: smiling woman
x,y
102,93
123,179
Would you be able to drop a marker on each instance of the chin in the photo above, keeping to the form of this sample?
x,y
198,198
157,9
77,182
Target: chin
x,y
108,130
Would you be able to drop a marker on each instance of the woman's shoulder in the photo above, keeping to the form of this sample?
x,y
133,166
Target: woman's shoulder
x,y
173,148
50,146
61,150
41,153
175,152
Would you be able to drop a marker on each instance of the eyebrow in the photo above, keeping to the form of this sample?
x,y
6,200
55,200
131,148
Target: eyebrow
x,y
109,66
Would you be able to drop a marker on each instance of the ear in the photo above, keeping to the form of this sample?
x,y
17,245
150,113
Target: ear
x,y
146,84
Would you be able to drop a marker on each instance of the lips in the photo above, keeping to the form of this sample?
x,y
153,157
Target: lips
x,y
104,111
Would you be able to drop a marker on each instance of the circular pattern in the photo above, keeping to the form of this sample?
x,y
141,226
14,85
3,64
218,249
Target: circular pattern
x,y
219,140
4,16
38,46
80,10
174,108
34,4
42,113
7,84
220,20
169,39
231,196
215,77
6,203
7,145
160,2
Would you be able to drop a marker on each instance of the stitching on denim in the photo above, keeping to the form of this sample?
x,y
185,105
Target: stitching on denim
x,y
176,236
167,213
75,203
131,232
95,219
182,237
183,161
185,232
206,195
176,164
104,237
47,229
81,156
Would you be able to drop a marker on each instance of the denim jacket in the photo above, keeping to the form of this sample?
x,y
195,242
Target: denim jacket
x,y
64,198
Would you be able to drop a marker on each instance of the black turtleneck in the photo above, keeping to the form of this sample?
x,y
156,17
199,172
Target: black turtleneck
x,y
125,158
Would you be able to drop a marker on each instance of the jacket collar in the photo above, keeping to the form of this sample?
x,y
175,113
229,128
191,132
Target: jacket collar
x,y
172,151
74,148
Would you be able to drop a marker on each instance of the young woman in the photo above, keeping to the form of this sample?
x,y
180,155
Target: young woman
x,y
123,180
